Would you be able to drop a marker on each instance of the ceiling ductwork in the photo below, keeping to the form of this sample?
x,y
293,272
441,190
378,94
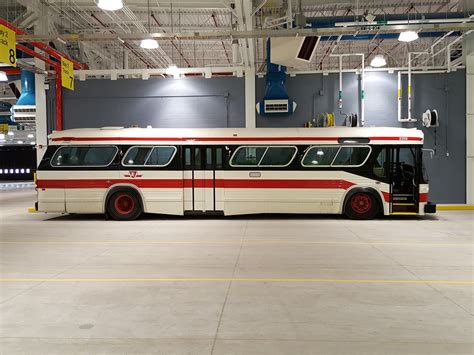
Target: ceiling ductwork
x,y
276,101
25,109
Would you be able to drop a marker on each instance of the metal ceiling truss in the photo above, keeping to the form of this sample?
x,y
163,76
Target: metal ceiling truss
x,y
195,33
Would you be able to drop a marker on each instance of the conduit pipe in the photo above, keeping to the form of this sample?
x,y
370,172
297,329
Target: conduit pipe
x,y
399,92
362,83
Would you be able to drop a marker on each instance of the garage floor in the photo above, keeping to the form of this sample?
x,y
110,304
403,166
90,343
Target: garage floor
x,y
274,285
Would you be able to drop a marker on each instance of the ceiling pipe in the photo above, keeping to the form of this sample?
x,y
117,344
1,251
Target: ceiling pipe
x,y
381,20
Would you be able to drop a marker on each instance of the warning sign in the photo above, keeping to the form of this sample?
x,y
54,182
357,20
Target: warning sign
x,y
7,46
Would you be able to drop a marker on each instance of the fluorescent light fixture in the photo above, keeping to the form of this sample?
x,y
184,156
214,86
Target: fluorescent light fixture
x,y
3,76
408,36
10,133
30,135
2,136
378,61
149,43
20,142
33,143
110,5
173,70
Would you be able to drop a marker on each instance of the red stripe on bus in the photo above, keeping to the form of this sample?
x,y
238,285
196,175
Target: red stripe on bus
x,y
84,184
418,139
223,139
386,196
198,183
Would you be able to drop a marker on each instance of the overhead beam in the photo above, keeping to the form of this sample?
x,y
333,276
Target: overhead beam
x,y
259,33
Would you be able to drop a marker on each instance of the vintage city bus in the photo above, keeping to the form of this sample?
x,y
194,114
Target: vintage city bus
x,y
124,172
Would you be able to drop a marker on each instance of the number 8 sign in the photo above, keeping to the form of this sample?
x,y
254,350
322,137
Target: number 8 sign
x,y
7,46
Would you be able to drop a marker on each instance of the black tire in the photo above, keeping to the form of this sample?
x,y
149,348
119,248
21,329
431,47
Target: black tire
x,y
124,205
362,205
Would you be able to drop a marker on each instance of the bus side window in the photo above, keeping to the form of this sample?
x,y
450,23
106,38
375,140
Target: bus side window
x,y
380,164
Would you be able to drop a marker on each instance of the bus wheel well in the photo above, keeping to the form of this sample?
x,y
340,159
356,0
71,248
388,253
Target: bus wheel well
x,y
123,189
368,190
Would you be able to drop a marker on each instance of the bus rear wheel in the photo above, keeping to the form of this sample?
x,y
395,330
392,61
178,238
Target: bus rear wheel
x,y
362,205
124,206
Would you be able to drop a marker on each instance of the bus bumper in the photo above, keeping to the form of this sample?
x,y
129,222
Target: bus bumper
x,y
430,207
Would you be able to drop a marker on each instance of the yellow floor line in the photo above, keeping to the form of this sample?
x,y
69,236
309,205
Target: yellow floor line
x,y
237,279
455,207
236,242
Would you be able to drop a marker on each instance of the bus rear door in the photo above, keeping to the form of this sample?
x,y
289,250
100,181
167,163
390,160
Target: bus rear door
x,y
405,177
203,179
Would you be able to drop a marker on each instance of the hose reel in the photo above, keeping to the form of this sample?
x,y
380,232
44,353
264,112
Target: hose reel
x,y
351,120
430,118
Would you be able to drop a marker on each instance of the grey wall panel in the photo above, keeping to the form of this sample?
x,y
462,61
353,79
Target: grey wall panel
x,y
444,92
190,102
219,102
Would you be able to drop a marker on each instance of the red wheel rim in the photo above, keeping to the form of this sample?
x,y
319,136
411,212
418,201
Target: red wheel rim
x,y
124,204
361,203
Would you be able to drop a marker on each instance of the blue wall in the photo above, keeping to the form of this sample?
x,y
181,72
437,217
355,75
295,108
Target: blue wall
x,y
220,102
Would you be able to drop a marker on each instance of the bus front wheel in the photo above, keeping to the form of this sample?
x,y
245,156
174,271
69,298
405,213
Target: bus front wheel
x,y
362,205
124,206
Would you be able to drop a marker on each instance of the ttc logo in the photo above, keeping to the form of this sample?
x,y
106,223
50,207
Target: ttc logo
x,y
133,174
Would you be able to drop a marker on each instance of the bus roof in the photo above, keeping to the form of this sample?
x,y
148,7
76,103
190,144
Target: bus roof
x,y
327,135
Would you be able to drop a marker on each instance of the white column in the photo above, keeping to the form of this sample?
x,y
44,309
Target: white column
x,y
250,121
41,27
468,47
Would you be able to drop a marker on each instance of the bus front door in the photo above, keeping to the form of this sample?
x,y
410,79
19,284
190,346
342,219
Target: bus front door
x,y
202,179
405,177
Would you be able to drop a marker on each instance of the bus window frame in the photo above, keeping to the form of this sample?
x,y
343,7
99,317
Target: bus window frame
x,y
83,146
263,155
148,156
340,146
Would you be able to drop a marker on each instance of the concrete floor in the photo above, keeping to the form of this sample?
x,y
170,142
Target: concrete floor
x,y
259,285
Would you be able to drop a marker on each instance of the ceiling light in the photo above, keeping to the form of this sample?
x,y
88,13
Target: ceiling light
x,y
33,143
378,61
173,70
408,36
10,133
149,43
110,5
30,135
2,136
3,76
20,142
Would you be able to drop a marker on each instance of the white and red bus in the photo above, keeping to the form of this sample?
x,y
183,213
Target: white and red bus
x,y
124,172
